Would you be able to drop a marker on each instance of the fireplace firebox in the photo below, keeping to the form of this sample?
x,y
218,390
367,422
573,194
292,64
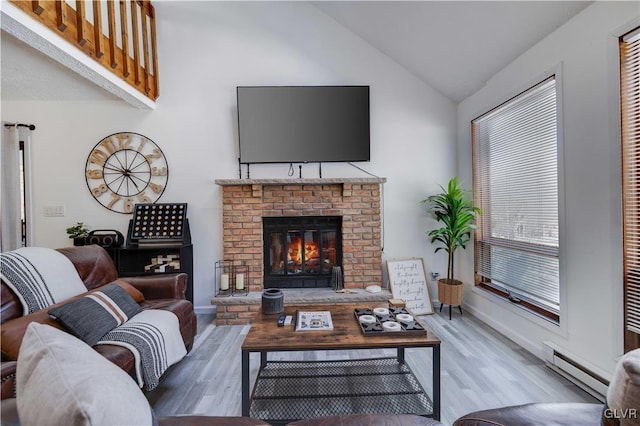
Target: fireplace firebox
x,y
301,252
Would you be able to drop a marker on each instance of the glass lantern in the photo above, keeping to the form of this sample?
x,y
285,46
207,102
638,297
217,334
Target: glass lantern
x,y
240,278
224,278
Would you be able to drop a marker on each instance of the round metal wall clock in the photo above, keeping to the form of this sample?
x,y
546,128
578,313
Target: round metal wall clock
x,y
125,169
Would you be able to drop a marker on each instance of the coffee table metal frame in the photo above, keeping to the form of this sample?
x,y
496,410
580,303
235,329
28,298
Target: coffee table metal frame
x,y
265,336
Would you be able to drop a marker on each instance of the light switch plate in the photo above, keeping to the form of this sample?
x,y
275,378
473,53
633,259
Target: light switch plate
x,y
53,211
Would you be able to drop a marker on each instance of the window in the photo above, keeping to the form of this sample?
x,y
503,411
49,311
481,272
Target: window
x,y
515,160
15,172
630,124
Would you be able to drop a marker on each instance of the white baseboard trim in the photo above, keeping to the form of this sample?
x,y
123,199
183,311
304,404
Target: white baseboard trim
x,y
534,347
206,309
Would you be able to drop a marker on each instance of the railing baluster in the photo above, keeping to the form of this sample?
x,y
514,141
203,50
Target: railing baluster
x,y
136,41
145,47
70,22
125,38
97,28
154,52
37,7
112,34
80,19
61,15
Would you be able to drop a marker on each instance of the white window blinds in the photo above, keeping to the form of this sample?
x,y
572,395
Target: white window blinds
x,y
630,114
516,186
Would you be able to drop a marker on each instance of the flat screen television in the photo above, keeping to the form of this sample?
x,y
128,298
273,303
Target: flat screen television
x,y
296,124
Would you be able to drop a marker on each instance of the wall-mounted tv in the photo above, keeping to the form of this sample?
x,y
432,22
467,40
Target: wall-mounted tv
x,y
296,124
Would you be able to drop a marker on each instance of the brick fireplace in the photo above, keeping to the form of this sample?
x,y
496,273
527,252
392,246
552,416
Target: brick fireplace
x,y
356,201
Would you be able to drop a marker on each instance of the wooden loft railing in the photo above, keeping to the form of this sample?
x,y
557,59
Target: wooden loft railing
x,y
121,35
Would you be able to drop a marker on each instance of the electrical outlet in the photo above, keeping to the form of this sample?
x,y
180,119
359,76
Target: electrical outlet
x,y
53,211
435,276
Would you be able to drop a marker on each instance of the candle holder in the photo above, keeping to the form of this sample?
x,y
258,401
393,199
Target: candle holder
x,y
336,278
224,278
240,278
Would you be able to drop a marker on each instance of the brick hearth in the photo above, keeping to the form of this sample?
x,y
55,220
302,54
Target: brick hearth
x,y
246,201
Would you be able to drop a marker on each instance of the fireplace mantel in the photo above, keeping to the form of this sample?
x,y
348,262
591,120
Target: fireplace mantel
x,y
294,181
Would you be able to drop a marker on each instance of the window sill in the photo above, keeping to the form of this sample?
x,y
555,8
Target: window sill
x,y
524,304
557,328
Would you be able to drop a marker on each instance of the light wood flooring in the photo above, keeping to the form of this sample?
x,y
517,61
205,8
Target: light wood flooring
x,y
480,369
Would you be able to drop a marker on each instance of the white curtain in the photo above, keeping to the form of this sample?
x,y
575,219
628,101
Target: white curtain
x,y
14,190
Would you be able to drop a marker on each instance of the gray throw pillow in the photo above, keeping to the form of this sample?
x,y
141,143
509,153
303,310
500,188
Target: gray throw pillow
x,y
94,315
62,381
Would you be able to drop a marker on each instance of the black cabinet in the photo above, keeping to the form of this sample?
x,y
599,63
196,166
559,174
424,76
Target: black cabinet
x,y
134,261
158,242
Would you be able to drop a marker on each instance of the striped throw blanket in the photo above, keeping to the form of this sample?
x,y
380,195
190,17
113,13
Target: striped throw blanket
x,y
153,336
40,277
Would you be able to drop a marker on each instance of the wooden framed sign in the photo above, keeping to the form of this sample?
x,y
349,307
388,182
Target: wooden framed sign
x,y
409,283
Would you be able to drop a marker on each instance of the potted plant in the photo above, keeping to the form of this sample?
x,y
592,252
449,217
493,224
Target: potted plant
x,y
454,208
78,232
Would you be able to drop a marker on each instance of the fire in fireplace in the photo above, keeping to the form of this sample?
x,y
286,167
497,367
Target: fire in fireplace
x,y
301,251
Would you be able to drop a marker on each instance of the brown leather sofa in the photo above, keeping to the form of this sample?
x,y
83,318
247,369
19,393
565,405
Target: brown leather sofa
x,y
558,414
96,269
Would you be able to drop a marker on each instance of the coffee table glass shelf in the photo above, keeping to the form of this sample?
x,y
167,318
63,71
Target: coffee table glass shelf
x,y
285,391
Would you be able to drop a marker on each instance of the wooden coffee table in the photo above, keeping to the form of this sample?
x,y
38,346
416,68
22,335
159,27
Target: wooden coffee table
x,y
283,382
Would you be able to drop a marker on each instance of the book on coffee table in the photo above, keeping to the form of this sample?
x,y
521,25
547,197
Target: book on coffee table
x,y
313,321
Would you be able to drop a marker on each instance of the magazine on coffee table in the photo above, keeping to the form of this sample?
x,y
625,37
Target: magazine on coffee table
x,y
313,321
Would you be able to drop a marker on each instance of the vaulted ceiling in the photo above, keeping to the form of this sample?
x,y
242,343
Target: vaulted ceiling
x,y
453,46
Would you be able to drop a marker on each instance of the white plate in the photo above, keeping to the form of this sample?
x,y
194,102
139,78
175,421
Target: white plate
x,y
367,319
381,311
391,326
404,318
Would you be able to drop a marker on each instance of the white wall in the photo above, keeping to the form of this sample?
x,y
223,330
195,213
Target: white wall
x,y
206,49
591,318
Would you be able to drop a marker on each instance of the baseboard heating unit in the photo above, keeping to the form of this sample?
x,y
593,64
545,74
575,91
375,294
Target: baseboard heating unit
x,y
574,370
